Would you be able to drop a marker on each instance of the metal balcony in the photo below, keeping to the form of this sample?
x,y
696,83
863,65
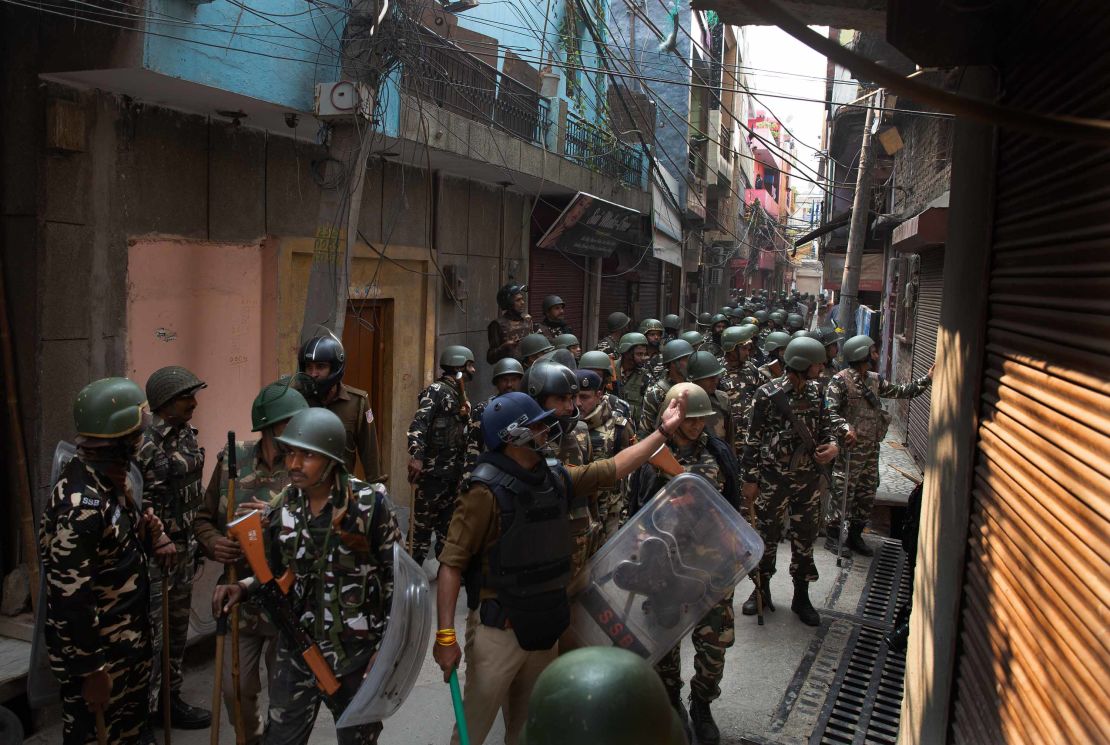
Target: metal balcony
x,y
596,149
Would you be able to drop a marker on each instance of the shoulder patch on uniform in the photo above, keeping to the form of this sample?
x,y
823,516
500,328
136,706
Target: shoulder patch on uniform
x,y
369,415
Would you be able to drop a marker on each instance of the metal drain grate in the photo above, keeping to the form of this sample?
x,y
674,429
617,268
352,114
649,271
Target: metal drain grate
x,y
865,701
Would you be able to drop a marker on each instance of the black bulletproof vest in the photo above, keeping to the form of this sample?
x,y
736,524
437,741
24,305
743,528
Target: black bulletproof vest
x,y
529,564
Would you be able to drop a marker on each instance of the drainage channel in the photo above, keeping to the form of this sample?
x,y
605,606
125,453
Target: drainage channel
x,y
865,701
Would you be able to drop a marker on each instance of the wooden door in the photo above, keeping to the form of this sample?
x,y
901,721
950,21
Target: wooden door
x,y
367,340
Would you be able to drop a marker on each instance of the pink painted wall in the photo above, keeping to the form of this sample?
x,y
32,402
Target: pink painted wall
x,y
200,305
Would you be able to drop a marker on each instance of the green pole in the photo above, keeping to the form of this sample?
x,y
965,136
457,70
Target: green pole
x,y
460,716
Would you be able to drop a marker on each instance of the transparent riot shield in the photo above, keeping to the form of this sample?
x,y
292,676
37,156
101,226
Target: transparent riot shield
x,y
661,573
403,650
42,686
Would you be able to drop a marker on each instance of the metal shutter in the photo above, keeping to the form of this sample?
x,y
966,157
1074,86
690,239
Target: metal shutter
x,y
930,281
614,295
1035,660
552,273
650,279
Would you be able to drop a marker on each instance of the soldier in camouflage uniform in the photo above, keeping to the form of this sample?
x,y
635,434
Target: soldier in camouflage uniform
x,y
615,325
437,448
337,534
718,324
94,542
741,379
171,461
706,371
261,479
694,338
854,393
699,452
532,347
676,354
604,368
634,376
652,329
830,337
608,432
791,439
672,327
553,324
570,343
774,344
507,375
511,325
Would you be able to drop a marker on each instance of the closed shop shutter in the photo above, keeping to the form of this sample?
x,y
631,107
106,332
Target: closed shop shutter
x,y
1034,660
552,273
930,279
650,280
614,294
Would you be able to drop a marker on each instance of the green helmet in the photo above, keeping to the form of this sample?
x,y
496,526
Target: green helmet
x,y
858,348
718,318
617,321
671,321
507,366
600,696
566,341
651,324
749,319
775,340
455,356
799,333
108,408
694,338
736,335
697,400
794,321
703,365
827,335
167,383
802,352
779,317
275,403
534,344
596,360
318,430
705,319
760,317
676,350
630,340
723,310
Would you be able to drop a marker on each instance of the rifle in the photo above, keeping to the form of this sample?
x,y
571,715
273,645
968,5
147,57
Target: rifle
x,y
274,593
236,701
778,397
758,578
843,511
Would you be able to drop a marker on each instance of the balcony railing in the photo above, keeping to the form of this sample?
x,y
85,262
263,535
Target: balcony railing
x,y
453,79
596,149
770,206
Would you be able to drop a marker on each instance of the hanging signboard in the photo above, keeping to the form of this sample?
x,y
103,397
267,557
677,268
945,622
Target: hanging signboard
x,y
593,227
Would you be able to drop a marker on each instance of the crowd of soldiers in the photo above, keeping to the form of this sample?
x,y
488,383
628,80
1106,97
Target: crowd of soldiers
x,y
518,490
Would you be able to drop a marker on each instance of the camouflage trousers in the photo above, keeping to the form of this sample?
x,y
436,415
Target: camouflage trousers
x,y
610,505
711,636
180,597
434,505
295,702
128,708
863,481
795,495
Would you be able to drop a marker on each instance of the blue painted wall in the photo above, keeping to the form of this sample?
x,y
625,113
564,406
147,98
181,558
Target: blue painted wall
x,y
220,44
672,98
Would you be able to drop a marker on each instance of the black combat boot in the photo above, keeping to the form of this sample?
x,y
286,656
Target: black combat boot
x,y
855,540
802,606
676,704
705,729
750,608
183,716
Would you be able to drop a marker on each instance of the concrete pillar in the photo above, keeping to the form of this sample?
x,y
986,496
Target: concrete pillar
x,y
931,662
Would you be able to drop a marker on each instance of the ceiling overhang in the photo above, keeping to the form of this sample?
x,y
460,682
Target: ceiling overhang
x,y
861,15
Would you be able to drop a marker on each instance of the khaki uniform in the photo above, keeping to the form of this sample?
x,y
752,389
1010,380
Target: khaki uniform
x,y
499,674
608,432
257,636
352,406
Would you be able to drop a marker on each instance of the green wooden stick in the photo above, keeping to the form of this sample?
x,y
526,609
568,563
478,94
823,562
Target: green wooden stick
x,y
460,716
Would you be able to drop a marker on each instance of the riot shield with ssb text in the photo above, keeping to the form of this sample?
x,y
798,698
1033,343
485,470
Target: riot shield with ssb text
x,y
403,650
661,573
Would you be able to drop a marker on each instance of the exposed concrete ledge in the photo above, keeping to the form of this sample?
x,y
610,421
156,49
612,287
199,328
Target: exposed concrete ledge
x,y
472,149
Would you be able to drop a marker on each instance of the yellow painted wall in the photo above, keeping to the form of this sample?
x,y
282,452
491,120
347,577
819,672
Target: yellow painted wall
x,y
407,283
